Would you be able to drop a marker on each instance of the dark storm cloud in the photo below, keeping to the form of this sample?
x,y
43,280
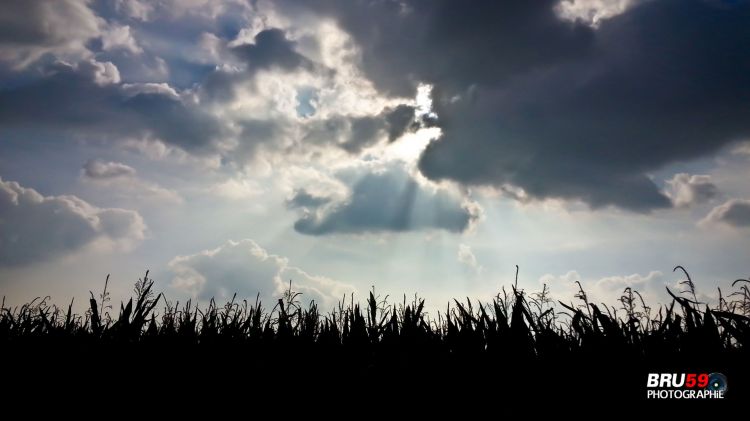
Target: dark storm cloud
x,y
87,100
665,85
387,199
452,43
271,49
555,107
400,120
365,131
353,134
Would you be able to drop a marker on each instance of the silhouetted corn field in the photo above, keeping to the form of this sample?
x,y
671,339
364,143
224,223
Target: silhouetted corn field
x,y
521,335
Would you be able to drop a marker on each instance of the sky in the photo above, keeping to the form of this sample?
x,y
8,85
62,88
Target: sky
x,y
415,147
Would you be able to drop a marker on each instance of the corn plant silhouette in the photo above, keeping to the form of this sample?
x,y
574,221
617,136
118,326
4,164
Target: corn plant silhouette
x,y
527,337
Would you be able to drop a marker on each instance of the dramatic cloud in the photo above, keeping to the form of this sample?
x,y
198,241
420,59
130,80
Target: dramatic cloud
x,y
375,137
240,92
735,213
30,29
248,269
399,120
271,49
383,198
592,130
36,228
353,134
86,100
557,107
578,99
449,44
686,189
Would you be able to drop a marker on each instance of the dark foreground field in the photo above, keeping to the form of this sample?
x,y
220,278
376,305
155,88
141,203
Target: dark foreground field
x,y
517,346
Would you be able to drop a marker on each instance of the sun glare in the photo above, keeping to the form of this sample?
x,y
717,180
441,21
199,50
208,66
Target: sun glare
x,y
410,146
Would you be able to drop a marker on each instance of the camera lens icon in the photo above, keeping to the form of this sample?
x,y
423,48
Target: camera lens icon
x,y
717,382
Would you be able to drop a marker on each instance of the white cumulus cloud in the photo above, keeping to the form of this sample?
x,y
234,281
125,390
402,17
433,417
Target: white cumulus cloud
x,y
686,190
35,228
246,268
